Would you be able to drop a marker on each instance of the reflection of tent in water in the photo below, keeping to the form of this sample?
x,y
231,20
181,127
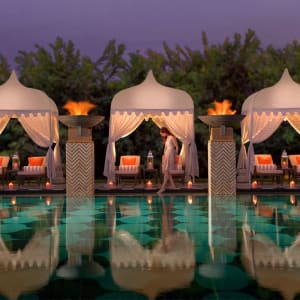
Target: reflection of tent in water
x,y
167,266
29,269
272,268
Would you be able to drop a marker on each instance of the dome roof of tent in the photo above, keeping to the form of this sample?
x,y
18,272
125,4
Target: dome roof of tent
x,y
150,95
282,96
17,98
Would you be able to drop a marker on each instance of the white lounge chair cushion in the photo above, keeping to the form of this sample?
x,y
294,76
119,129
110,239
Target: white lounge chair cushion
x,y
33,170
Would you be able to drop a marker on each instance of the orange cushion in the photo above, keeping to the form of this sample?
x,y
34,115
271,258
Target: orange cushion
x,y
264,160
1,160
35,161
129,161
298,160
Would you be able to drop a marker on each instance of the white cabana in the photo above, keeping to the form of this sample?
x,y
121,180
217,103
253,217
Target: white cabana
x,y
265,110
38,115
166,106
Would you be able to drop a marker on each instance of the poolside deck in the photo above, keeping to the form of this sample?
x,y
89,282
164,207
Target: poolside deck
x,y
130,187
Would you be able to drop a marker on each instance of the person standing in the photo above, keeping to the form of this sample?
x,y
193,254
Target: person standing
x,y
169,157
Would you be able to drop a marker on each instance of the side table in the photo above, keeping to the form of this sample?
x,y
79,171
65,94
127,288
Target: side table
x,y
150,173
11,174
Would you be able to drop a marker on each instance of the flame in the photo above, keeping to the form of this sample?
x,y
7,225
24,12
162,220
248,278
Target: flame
x,y
221,108
81,108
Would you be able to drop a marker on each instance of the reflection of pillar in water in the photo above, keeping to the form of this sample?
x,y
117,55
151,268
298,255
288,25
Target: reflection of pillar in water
x,y
80,239
221,224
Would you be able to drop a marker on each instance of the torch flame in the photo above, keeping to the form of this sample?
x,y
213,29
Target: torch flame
x,y
81,108
221,108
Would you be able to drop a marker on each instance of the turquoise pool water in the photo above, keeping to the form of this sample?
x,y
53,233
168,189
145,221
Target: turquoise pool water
x,y
150,247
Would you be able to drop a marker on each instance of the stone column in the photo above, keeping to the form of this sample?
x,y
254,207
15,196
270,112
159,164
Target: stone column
x,y
221,162
80,170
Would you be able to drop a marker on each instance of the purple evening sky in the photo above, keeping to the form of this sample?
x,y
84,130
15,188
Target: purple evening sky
x,y
142,24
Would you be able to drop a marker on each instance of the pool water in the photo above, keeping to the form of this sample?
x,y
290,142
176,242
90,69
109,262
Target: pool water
x,y
150,247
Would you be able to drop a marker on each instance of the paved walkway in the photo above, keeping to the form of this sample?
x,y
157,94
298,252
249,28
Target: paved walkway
x,y
127,187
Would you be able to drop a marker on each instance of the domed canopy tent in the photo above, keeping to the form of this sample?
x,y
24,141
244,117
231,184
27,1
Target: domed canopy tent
x,y
166,106
265,110
38,115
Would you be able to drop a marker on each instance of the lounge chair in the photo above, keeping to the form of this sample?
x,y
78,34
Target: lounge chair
x,y
295,165
130,167
265,167
35,170
4,160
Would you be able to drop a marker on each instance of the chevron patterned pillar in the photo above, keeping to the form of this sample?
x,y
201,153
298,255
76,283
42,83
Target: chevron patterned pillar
x,y
80,169
221,162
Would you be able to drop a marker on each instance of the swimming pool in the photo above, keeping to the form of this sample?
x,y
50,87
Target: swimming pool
x,y
150,247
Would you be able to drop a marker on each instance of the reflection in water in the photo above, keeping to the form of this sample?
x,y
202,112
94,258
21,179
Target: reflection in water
x,y
168,265
274,266
29,268
181,247
80,239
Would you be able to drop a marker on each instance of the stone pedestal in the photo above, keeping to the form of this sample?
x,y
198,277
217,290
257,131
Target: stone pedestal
x,y
221,162
80,170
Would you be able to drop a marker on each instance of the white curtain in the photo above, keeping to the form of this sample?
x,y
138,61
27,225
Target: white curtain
x,y
182,126
294,120
40,129
3,122
256,128
120,125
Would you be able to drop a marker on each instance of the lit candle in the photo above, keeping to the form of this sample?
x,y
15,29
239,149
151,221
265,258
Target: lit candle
x,y
150,165
254,184
11,186
149,184
48,185
189,184
190,199
284,164
292,184
15,165
110,184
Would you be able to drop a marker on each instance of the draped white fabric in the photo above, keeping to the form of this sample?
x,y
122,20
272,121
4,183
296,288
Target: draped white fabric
x,y
40,130
120,125
180,124
37,113
3,122
256,128
169,107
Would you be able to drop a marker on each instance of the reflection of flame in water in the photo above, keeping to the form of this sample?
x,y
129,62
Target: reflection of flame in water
x,y
48,200
13,200
81,108
221,108
293,199
149,199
